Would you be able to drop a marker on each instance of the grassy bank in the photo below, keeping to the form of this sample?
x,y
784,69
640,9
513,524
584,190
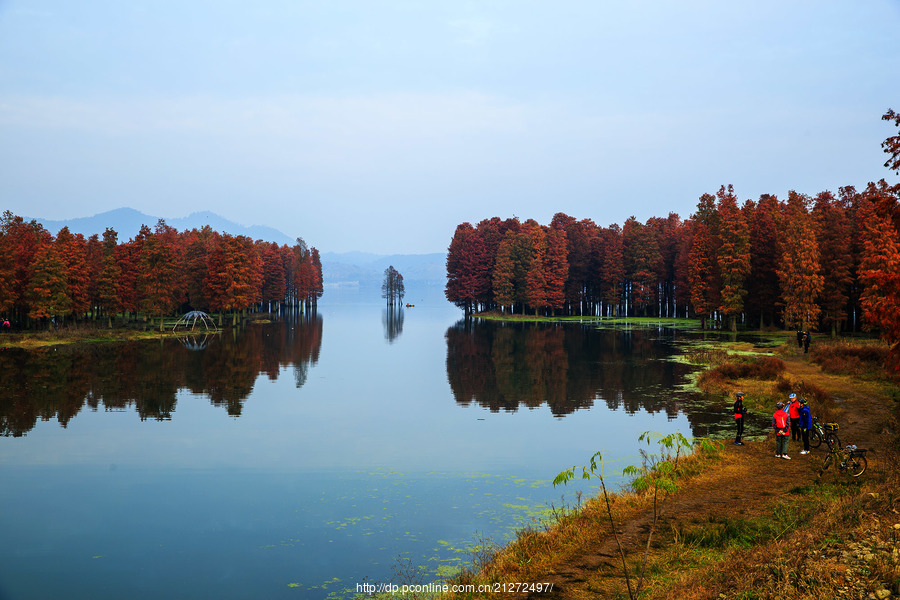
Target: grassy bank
x,y
95,332
742,524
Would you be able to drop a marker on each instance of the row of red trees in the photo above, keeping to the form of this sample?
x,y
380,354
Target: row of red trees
x,y
805,262
158,273
812,263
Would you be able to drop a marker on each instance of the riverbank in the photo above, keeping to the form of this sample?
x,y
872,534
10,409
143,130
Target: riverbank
x,y
743,524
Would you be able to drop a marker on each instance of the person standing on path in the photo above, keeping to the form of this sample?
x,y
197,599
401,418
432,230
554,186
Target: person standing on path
x,y
805,424
793,410
781,422
807,338
739,413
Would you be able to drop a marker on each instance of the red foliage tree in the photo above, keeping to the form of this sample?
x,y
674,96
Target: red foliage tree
x,y
734,255
763,290
612,268
47,292
158,278
800,270
556,268
643,264
835,255
108,280
703,263
468,268
880,267
273,284
72,250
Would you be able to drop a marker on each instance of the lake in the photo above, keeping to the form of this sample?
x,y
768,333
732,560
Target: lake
x,y
302,457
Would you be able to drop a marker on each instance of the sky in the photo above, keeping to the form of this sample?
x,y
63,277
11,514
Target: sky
x,y
379,126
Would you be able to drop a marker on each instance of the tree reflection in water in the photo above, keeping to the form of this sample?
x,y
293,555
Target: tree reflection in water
x,y
392,319
504,366
58,382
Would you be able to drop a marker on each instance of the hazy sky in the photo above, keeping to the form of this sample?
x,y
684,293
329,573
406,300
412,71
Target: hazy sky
x,y
381,125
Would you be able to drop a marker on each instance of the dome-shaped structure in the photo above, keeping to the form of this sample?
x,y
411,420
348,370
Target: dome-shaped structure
x,y
191,319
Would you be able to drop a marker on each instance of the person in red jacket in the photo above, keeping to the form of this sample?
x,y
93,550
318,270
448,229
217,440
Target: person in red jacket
x,y
739,413
793,409
781,422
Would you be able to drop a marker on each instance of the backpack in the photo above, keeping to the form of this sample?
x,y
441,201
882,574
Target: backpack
x,y
780,419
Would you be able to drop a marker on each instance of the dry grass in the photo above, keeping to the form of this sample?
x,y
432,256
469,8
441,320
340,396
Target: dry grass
x,y
864,359
573,531
826,540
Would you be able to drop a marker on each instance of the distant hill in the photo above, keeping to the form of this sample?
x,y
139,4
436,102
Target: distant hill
x,y
127,223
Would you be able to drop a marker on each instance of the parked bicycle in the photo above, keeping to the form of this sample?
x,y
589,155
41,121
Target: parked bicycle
x,y
850,460
823,433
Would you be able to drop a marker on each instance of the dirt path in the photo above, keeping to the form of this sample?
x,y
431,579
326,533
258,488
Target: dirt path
x,y
749,481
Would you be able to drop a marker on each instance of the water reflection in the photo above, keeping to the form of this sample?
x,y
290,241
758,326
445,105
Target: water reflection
x,y
392,319
503,366
58,382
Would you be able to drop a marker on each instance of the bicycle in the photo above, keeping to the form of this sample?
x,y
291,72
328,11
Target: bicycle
x,y
850,460
823,433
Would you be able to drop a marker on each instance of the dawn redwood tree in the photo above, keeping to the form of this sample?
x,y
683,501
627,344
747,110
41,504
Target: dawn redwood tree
x,y
468,269
318,284
579,245
108,281
668,233
7,297
835,255
128,258
158,277
392,288
240,274
556,268
800,269
72,250
194,270
511,268
880,272
47,292
763,289
24,241
642,261
273,285
681,279
612,268
94,249
535,279
703,264
733,258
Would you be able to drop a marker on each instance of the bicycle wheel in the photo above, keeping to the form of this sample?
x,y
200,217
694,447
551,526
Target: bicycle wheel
x,y
856,465
833,440
815,438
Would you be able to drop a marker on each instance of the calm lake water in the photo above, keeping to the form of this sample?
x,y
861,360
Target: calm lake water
x,y
299,458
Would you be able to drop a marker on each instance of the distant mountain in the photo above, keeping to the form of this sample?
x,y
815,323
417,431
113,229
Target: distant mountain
x,y
127,223
367,270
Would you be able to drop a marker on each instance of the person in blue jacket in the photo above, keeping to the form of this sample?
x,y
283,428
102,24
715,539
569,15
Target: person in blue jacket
x,y
805,424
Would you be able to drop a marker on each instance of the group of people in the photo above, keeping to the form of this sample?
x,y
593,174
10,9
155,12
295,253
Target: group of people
x,y
796,412
803,340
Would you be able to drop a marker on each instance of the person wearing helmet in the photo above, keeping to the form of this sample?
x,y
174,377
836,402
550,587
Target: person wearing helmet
x,y
793,409
739,413
781,422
